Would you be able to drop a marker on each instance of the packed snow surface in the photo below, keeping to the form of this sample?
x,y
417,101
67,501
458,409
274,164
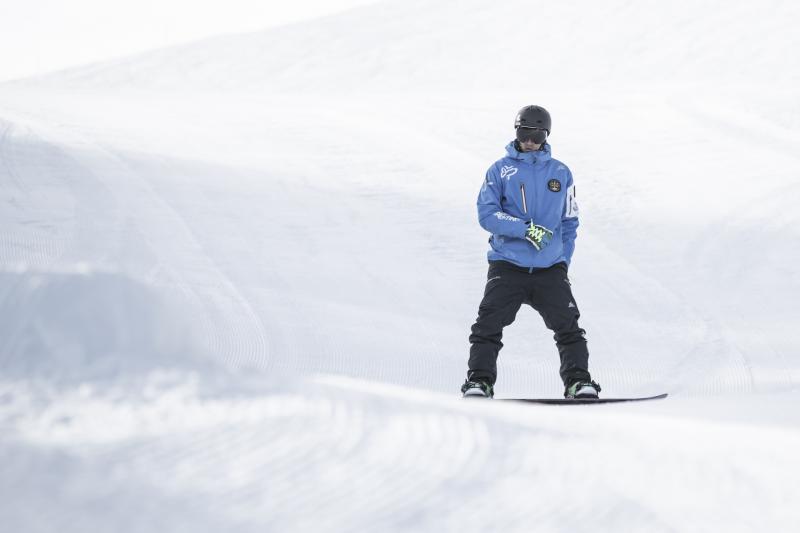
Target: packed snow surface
x,y
237,277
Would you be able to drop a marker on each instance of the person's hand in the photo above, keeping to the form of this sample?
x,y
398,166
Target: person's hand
x,y
538,236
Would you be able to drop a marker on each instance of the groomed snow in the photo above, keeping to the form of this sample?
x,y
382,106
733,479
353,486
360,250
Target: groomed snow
x,y
237,277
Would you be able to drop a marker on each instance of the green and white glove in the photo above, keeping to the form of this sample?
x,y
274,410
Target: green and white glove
x,y
538,236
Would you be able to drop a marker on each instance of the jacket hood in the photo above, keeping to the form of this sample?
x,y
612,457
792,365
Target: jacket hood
x,y
539,156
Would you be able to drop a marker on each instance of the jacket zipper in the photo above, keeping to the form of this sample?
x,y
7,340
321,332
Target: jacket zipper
x,y
524,201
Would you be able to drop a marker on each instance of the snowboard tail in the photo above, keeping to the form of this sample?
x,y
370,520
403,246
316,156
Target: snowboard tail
x,y
582,401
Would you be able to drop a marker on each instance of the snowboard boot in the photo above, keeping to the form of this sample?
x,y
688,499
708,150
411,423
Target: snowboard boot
x,y
477,389
582,389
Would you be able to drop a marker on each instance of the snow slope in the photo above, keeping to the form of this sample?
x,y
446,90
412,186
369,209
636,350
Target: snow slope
x,y
238,276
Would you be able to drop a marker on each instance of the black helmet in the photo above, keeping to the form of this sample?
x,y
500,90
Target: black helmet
x,y
533,116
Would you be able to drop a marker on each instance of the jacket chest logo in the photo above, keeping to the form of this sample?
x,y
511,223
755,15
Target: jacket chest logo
x,y
507,171
554,185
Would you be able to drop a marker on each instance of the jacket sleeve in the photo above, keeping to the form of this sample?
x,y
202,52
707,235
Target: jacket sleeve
x,y
491,216
569,221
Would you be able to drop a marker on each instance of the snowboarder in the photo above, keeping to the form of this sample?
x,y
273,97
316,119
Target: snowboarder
x,y
527,203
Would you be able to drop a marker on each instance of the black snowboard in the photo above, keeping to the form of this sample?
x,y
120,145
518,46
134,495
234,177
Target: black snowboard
x,y
581,401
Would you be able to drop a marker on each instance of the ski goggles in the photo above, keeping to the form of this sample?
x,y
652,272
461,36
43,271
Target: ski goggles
x,y
537,135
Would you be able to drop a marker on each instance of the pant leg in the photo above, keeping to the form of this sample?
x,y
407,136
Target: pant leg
x,y
551,296
502,298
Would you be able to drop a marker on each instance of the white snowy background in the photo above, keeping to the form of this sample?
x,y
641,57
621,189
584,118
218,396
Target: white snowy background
x,y
237,276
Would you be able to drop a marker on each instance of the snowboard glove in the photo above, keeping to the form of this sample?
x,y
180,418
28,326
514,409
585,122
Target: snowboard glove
x,y
538,236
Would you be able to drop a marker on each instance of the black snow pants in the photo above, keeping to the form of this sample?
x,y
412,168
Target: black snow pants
x,y
548,291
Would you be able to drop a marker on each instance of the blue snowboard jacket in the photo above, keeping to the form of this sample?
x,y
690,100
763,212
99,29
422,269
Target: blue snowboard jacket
x,y
525,186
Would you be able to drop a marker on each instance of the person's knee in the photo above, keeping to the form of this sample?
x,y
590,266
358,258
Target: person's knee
x,y
571,336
